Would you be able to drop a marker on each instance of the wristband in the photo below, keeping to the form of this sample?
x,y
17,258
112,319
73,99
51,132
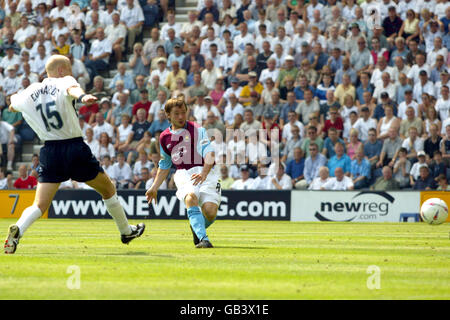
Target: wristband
x,y
80,98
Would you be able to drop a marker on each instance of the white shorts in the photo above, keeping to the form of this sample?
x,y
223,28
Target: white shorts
x,y
208,191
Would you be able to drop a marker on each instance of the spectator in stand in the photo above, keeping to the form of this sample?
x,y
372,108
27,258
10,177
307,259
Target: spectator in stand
x,y
344,89
415,169
402,167
154,87
104,147
8,142
443,103
83,125
192,56
143,103
364,124
5,180
79,71
386,182
197,89
34,167
281,180
141,182
312,137
312,165
425,180
321,180
141,163
387,122
330,143
432,143
411,121
137,133
102,126
253,85
339,181
443,184
408,102
391,145
262,180
121,172
250,124
160,124
445,146
99,54
122,108
353,144
99,90
437,166
340,159
225,180
413,144
25,181
123,75
290,106
90,141
335,121
295,167
245,183
308,106
133,17
360,170
88,112
116,33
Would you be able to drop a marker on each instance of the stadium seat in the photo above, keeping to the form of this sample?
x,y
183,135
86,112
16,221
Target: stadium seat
x,y
404,216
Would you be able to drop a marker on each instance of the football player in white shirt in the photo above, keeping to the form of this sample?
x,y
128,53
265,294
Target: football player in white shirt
x,y
49,109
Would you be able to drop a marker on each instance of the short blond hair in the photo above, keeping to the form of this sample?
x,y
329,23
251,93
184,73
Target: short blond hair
x,y
55,62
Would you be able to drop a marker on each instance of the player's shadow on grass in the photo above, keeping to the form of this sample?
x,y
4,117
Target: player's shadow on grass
x,y
140,253
235,247
135,253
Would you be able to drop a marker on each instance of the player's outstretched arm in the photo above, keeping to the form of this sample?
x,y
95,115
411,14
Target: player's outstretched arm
x,y
151,193
78,93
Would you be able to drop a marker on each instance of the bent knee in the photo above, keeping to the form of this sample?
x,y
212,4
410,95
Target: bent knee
x,y
209,209
191,200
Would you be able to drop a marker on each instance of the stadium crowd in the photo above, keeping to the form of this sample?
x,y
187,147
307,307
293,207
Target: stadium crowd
x,y
319,95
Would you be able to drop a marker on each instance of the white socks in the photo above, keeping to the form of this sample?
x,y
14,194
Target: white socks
x,y
116,211
29,215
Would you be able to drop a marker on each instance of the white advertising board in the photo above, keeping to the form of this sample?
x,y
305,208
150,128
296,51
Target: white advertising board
x,y
355,206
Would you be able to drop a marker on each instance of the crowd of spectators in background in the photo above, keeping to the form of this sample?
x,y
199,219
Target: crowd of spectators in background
x,y
352,94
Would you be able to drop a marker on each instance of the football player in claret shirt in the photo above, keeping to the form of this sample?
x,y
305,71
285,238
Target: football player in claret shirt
x,y
187,146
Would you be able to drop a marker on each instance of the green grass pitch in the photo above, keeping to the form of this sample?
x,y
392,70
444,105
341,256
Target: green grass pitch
x,y
251,260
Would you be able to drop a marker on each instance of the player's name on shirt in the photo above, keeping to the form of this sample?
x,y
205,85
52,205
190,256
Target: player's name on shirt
x,y
48,89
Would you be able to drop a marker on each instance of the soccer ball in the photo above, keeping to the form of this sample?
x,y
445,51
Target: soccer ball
x,y
434,211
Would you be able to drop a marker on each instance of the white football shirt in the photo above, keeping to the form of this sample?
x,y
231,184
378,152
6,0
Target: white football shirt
x,y
48,109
